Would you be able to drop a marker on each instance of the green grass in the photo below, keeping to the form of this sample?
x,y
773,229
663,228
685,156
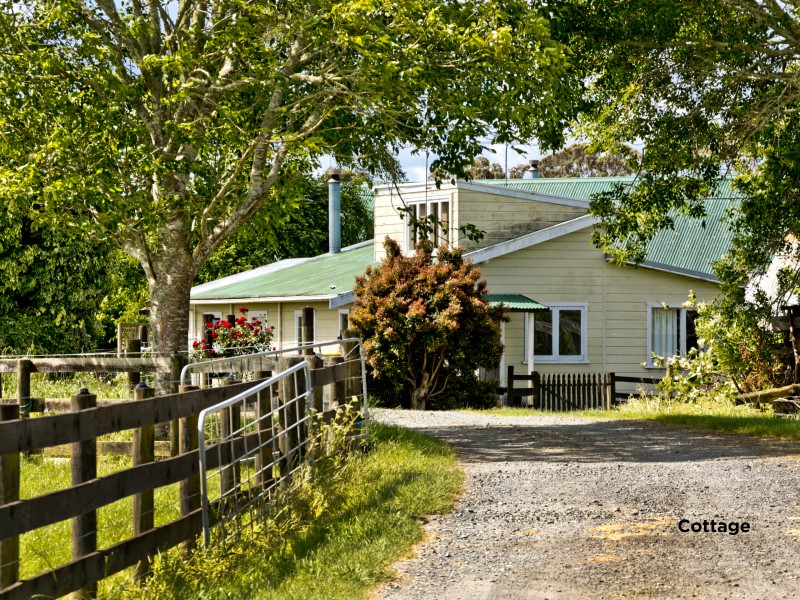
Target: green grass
x,y
64,385
342,534
704,416
49,547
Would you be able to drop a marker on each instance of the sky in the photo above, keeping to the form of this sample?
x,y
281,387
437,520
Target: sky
x,y
414,165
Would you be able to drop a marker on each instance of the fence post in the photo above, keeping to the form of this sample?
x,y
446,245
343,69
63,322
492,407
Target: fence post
x,y
190,487
611,390
84,468
336,394
349,351
314,363
176,363
9,492
143,502
230,422
537,388
133,349
288,390
24,369
510,386
307,330
263,408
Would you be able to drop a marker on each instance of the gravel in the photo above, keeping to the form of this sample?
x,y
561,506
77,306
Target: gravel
x,y
566,508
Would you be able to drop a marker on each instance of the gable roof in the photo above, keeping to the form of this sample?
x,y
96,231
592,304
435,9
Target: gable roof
x,y
322,277
690,248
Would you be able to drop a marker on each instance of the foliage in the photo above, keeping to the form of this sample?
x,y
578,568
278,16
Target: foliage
x,y
127,295
425,322
51,285
301,231
368,515
698,83
244,336
710,89
578,160
482,169
695,376
165,127
744,345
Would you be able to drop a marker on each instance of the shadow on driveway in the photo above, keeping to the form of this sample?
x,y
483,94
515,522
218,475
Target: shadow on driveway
x,y
489,440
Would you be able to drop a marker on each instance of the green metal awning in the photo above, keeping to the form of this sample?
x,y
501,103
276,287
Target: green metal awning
x,y
514,301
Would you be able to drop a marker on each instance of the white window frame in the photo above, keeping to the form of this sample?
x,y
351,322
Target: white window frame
x,y
298,336
556,307
344,314
436,201
682,333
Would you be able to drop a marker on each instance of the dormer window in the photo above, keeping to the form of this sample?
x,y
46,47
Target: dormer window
x,y
439,207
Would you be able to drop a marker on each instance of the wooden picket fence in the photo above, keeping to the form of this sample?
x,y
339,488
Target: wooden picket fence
x,y
572,391
89,493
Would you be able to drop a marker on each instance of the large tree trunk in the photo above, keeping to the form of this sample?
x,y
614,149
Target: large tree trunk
x,y
170,283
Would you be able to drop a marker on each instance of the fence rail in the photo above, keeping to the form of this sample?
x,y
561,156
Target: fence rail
x,y
331,386
572,391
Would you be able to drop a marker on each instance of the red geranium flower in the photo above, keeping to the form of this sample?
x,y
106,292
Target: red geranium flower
x,y
244,310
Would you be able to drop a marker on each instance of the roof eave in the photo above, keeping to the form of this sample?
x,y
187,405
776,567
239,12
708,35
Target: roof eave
x,y
265,299
654,266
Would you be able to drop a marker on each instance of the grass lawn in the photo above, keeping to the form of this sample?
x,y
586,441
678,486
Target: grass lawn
x,y
343,535
708,416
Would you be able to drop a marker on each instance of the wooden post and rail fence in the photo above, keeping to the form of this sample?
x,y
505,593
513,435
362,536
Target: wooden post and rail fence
x,y
571,391
81,427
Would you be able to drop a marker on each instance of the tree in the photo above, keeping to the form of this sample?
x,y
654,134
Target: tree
x,y
710,89
50,289
702,84
165,126
300,231
425,322
578,161
482,169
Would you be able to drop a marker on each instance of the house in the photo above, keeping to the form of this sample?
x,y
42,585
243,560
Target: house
x,y
581,312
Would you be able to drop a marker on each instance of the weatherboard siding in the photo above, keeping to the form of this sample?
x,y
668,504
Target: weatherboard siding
x,y
503,218
571,269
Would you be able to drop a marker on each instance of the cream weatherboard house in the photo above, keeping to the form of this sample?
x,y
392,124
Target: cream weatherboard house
x,y
581,312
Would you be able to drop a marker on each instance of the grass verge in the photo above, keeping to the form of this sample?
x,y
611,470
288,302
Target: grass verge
x,y
341,537
704,416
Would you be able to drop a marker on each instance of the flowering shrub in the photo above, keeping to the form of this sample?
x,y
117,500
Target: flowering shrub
x,y
244,336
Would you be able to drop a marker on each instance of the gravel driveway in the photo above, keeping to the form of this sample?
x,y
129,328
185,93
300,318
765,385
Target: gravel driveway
x,y
567,508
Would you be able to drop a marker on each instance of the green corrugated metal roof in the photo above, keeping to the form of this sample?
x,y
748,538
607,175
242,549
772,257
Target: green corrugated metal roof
x,y
367,197
693,245
583,187
514,301
569,187
311,278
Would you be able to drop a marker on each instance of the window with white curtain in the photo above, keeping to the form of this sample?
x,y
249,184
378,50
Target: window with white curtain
x,y
671,331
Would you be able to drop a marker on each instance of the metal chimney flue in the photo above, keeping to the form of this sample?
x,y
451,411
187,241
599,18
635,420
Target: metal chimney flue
x,y
334,211
532,172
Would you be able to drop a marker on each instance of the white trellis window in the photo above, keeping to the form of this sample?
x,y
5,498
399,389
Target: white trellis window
x,y
670,330
438,207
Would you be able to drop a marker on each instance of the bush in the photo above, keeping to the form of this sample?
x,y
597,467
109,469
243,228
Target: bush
x,y
425,323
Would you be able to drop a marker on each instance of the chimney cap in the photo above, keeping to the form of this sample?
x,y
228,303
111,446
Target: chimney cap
x,y
335,174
